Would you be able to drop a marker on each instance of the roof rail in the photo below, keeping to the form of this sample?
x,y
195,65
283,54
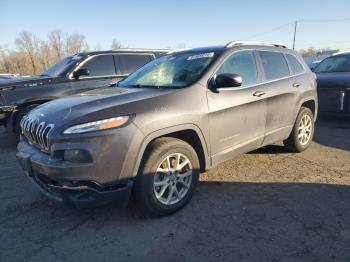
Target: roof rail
x,y
141,50
177,50
239,43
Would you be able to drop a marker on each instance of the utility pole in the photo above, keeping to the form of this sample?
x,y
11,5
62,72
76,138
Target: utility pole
x,y
295,33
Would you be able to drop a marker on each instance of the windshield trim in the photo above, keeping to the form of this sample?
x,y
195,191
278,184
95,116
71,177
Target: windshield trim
x,y
217,54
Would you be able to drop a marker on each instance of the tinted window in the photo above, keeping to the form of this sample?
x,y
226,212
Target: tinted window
x,y
334,64
242,64
295,65
129,63
102,65
274,64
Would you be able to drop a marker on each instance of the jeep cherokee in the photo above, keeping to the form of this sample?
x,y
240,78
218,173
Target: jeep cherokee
x,y
175,117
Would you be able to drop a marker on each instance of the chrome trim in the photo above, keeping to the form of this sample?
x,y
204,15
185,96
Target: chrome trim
x,y
70,76
342,98
240,43
37,133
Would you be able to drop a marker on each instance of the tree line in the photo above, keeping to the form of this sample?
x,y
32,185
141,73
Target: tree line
x,y
32,55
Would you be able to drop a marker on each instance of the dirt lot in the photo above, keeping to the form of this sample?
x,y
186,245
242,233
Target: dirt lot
x,y
268,205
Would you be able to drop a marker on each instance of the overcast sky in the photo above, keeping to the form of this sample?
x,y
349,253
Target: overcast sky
x,y
161,24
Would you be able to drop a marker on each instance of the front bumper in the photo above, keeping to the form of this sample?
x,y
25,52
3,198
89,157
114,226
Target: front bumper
x,y
50,177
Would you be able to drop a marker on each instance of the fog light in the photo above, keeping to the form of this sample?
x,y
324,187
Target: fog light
x,y
77,156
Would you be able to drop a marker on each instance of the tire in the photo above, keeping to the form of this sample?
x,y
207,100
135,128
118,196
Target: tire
x,y
18,118
303,131
155,199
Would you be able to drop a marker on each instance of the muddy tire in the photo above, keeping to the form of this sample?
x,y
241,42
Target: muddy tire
x,y
303,131
168,177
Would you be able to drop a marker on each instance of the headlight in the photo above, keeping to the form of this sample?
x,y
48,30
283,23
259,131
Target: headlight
x,y
98,125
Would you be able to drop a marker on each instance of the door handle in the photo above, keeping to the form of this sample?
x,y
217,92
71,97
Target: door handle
x,y
296,85
259,93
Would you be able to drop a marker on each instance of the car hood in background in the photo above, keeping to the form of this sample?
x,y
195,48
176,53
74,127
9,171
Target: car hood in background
x,y
25,81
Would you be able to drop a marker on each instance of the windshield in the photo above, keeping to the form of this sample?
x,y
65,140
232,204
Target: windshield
x,y
61,68
334,64
176,71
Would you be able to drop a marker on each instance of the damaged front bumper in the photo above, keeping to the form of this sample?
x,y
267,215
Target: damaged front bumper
x,y
81,193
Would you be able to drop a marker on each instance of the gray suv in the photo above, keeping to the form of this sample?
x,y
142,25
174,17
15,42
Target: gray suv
x,y
158,129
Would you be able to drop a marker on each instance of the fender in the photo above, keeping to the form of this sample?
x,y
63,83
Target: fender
x,y
302,101
164,132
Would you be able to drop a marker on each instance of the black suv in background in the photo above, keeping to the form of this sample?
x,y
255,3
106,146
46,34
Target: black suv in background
x,y
73,74
333,82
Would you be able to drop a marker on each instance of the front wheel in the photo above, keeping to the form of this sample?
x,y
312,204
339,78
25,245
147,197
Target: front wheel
x,y
167,180
303,131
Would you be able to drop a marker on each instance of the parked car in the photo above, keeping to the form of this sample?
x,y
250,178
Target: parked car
x,y
314,64
177,116
8,76
333,81
74,74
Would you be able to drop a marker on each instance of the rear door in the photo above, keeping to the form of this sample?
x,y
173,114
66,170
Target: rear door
x,y
333,84
237,115
281,96
129,63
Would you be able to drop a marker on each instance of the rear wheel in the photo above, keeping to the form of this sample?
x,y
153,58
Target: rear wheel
x,y
303,131
167,180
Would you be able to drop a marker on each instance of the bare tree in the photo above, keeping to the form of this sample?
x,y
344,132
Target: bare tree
x,y
28,43
56,40
97,47
45,57
75,43
116,44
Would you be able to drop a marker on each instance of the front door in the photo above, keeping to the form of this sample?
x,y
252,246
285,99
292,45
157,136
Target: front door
x,y
102,73
237,115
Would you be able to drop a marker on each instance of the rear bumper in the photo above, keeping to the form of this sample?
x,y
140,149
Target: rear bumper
x,y
80,192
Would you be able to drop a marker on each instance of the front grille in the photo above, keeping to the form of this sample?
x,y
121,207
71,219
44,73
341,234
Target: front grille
x,y
36,132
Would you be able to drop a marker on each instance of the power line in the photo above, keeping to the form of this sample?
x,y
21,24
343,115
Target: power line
x,y
324,20
325,43
269,31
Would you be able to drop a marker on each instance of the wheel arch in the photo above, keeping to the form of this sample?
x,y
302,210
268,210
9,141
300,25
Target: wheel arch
x,y
189,133
309,102
25,105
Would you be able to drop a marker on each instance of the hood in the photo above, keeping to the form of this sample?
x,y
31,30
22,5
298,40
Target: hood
x,y
329,80
95,105
24,81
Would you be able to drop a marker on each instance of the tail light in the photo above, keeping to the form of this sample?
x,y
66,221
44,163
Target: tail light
x,y
314,75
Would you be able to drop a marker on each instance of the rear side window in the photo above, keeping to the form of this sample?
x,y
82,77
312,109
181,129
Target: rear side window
x,y
127,64
242,64
101,65
295,65
274,64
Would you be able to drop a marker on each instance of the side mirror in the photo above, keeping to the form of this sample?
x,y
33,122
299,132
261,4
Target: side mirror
x,y
226,80
81,72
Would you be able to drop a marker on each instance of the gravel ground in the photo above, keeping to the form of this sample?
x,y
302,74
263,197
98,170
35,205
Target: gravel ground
x,y
268,205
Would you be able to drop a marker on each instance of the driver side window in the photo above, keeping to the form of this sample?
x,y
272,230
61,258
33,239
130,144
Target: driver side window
x,y
101,65
243,64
